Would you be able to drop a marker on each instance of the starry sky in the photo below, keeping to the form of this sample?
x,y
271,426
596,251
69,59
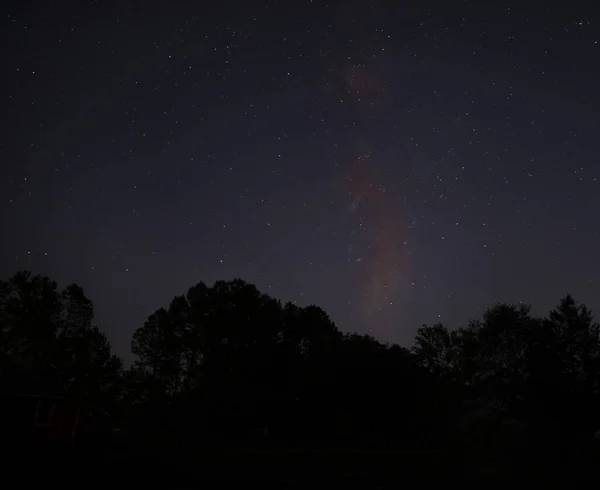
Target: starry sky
x,y
396,163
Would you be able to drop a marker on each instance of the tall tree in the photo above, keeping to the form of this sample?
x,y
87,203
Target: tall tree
x,y
49,346
48,341
30,314
571,367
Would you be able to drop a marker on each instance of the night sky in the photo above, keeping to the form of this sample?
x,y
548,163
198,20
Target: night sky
x,y
396,166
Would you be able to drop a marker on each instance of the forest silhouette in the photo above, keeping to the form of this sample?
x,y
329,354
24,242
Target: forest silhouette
x,y
227,369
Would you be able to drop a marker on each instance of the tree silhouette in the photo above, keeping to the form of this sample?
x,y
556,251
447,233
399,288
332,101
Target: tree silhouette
x,y
49,346
565,369
48,342
435,348
520,376
226,366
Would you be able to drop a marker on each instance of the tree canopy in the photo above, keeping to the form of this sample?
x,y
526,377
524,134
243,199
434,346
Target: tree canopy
x,y
228,366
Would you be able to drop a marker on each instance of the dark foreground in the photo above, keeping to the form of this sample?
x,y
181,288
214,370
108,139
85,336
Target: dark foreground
x,y
301,469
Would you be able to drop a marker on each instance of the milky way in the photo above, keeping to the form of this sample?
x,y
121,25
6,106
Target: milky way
x,y
394,163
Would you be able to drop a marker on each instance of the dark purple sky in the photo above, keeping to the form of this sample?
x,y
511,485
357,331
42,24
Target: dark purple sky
x,y
396,166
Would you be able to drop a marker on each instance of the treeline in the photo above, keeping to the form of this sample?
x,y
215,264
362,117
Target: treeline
x,y
227,366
